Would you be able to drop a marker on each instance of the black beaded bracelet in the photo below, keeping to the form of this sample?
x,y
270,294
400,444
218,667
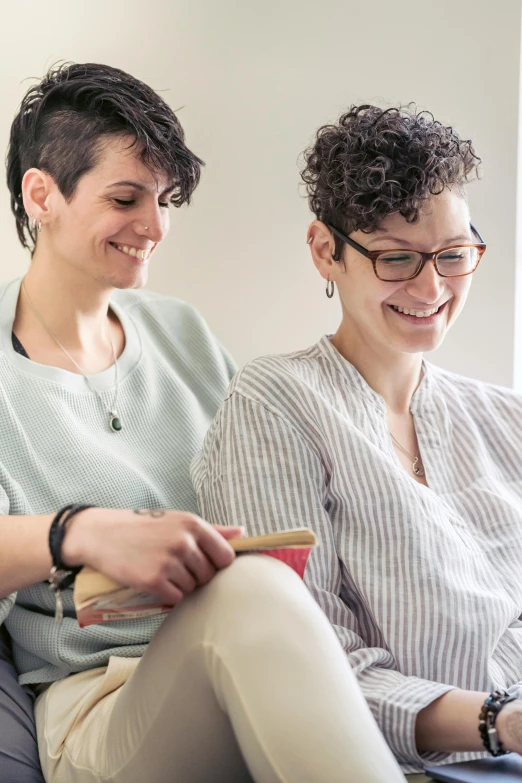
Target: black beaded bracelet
x,y
61,576
487,721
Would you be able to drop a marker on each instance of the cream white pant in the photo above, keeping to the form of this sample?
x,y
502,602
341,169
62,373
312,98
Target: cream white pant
x,y
244,681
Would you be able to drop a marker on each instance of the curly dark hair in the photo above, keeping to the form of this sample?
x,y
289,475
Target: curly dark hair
x,y
375,162
63,118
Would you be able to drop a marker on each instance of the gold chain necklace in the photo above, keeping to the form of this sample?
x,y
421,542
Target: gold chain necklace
x,y
417,464
114,419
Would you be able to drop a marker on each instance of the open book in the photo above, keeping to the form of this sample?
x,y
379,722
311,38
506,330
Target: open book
x,y
98,599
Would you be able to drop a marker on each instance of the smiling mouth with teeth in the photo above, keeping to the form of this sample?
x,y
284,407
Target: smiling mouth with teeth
x,y
135,252
417,313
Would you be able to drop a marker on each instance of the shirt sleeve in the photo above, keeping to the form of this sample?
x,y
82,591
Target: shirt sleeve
x,y
257,470
516,629
6,603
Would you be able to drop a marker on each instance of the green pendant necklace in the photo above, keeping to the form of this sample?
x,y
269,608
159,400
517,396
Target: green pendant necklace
x,y
114,418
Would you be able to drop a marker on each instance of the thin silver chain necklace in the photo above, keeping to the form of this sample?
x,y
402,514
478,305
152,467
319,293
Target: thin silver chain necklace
x,y
417,464
114,419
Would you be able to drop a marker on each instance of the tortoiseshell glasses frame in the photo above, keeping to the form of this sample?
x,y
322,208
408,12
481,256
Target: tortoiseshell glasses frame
x,y
423,258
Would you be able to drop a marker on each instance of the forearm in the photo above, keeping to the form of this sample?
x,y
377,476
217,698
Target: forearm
x,y
450,723
24,554
25,557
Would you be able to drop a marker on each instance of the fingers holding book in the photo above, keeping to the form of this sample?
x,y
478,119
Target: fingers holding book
x,y
161,552
99,599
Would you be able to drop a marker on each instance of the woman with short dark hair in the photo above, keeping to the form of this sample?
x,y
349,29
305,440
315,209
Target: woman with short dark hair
x,y
410,476
106,393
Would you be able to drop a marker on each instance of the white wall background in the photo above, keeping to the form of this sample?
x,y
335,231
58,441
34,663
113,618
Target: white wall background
x,y
255,80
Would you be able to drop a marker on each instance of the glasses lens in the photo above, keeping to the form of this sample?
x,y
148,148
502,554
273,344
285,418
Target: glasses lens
x,y
397,265
457,261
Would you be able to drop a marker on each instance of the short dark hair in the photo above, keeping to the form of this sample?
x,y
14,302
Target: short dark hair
x,y
63,118
375,162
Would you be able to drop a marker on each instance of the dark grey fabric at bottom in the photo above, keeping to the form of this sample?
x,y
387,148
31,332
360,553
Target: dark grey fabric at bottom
x,y
19,762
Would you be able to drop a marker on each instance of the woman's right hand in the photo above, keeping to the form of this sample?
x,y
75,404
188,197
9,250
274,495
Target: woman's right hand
x,y
166,553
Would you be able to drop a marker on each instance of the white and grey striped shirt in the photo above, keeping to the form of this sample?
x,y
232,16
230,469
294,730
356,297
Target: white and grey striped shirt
x,y
422,584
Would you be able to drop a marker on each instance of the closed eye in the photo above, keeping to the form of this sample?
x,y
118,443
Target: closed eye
x,y
394,259
454,255
128,203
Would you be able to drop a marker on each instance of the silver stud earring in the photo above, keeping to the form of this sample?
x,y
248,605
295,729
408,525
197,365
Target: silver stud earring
x,y
145,228
330,288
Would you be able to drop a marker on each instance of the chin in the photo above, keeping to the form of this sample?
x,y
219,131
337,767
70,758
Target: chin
x,y
421,346
123,282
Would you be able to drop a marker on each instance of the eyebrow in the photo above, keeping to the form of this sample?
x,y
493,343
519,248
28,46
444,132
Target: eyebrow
x,y
137,185
404,242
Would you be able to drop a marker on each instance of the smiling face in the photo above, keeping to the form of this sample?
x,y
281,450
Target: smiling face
x,y
371,307
117,217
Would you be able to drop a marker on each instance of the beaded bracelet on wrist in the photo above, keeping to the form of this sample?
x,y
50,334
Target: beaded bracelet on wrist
x,y
487,721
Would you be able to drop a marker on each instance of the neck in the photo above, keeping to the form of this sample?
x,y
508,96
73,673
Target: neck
x,y
393,375
73,307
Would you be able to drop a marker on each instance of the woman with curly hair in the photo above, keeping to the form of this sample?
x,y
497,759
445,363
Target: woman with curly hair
x,y
106,393
411,476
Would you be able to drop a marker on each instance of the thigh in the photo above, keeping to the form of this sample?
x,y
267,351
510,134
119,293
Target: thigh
x,y
246,673
19,762
155,719
246,680
166,720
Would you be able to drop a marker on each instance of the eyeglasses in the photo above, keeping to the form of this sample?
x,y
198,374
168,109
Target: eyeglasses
x,y
395,265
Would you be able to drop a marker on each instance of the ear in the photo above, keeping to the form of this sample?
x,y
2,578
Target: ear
x,y
36,188
322,248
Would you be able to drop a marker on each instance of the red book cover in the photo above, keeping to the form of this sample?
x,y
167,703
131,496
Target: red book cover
x,y
295,557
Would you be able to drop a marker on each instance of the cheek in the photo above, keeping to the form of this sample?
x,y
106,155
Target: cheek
x,y
361,290
389,293
111,222
109,226
460,290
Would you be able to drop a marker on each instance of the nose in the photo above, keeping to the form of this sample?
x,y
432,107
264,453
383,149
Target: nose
x,y
153,223
428,285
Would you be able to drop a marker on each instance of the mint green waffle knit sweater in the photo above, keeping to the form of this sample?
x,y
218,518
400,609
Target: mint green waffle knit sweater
x,y
56,448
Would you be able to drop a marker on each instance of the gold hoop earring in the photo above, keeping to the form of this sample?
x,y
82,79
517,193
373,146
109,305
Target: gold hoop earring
x,y
330,288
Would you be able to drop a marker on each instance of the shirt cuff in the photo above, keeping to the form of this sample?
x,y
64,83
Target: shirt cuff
x,y
515,690
397,717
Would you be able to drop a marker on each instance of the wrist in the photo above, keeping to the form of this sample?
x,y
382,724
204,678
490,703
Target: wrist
x,y
509,726
75,547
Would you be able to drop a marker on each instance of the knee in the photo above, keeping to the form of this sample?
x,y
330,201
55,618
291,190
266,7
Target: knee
x,y
260,607
259,586
255,575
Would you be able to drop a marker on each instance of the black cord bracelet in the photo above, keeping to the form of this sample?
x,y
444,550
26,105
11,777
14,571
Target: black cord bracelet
x,y
61,576
487,721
